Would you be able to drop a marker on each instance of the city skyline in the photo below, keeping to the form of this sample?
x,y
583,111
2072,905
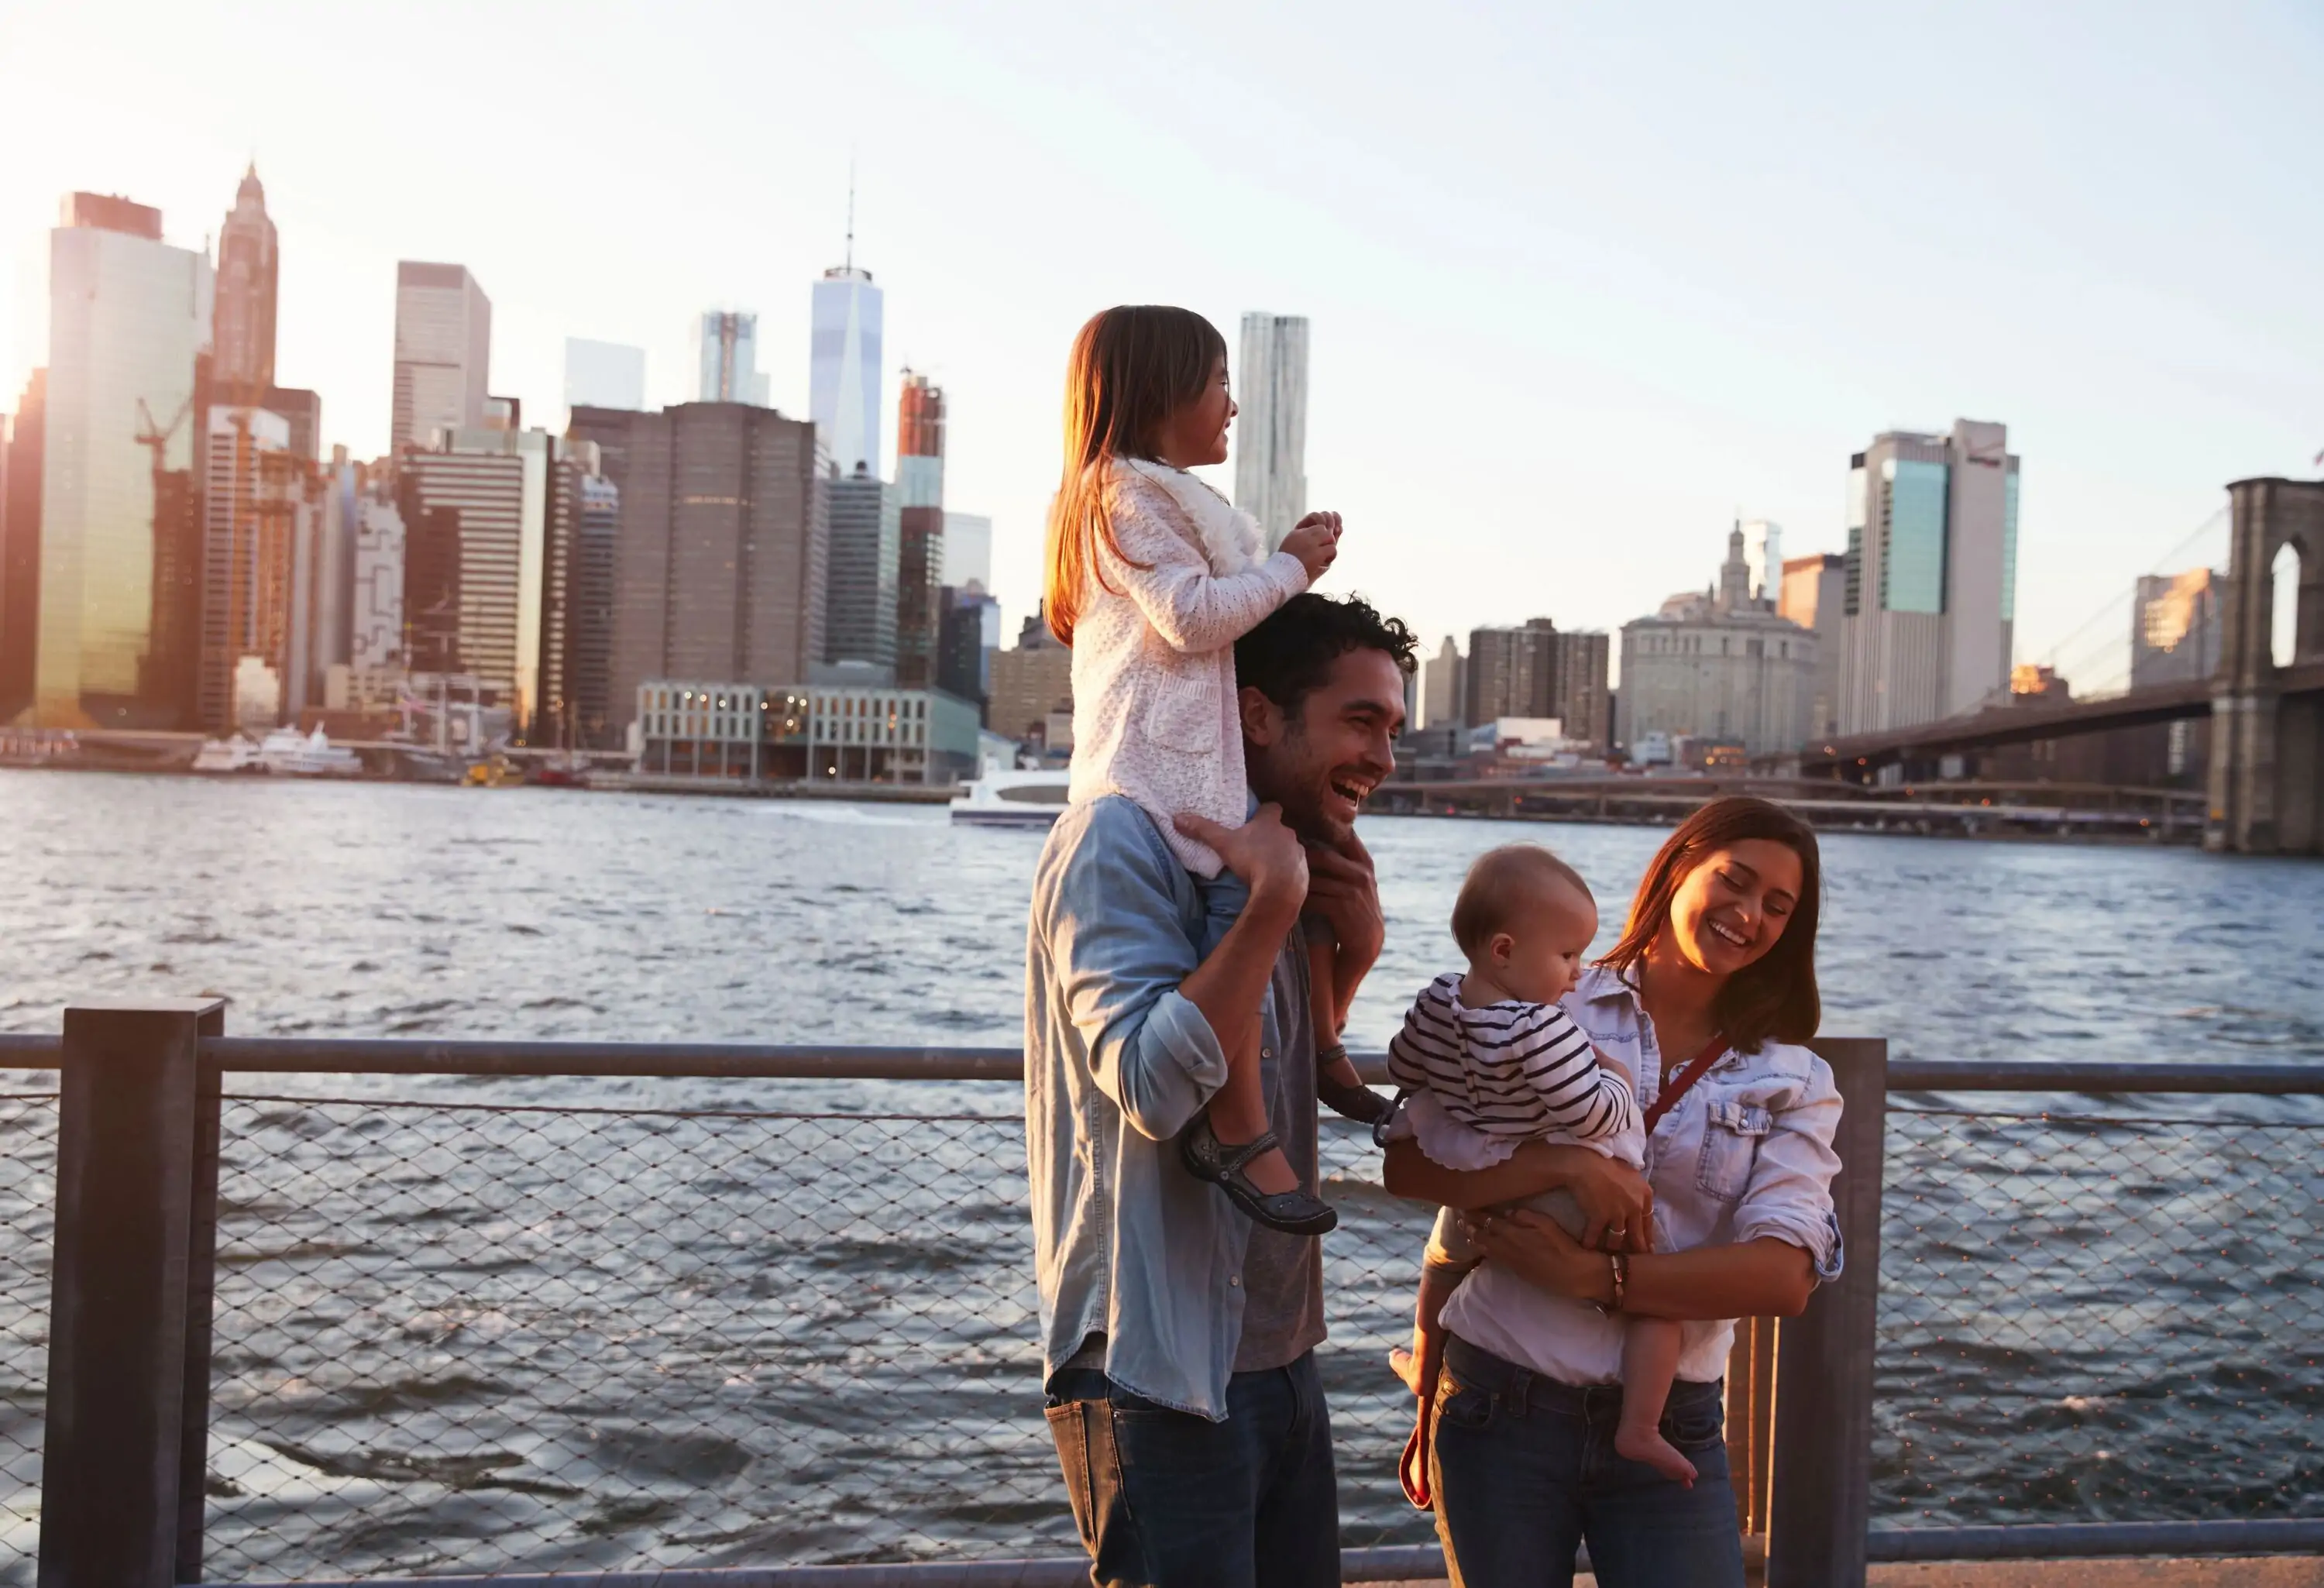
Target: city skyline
x,y
1570,324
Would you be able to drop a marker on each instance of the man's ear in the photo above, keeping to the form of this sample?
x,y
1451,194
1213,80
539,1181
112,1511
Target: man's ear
x,y
1262,719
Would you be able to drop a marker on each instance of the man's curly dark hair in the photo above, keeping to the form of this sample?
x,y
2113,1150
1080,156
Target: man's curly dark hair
x,y
1291,653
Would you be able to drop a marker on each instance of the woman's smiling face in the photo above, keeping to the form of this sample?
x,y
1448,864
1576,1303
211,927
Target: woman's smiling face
x,y
1733,905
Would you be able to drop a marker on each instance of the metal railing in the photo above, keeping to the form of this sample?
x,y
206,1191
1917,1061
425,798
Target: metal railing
x,y
493,1331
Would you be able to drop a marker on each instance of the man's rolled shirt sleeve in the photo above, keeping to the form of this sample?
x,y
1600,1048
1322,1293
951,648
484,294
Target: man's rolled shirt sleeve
x,y
1121,951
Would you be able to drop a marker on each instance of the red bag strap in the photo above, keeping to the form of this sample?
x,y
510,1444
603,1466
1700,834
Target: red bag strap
x,y
1685,1079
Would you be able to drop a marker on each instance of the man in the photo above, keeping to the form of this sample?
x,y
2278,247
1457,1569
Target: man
x,y
1178,1338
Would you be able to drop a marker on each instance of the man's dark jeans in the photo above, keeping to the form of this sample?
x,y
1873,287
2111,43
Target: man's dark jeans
x,y
1524,1469
1167,1499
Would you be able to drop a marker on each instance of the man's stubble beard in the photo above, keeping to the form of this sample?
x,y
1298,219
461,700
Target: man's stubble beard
x,y
1296,785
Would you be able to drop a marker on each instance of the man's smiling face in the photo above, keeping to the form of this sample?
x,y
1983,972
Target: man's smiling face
x,y
1336,744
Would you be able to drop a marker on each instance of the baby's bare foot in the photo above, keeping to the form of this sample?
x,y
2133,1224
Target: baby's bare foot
x,y
1647,1444
1406,1364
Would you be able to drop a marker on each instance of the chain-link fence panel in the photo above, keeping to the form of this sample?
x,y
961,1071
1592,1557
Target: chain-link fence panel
x,y
492,1337
2092,1317
28,1195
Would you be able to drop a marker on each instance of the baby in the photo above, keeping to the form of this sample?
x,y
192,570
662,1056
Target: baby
x,y
1498,1055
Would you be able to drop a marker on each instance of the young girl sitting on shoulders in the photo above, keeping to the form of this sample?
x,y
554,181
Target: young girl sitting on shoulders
x,y
1151,577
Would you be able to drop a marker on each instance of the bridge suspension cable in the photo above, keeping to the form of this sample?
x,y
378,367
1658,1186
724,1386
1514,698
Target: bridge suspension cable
x,y
2102,639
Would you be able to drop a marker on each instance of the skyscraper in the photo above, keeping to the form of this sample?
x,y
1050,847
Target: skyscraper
x,y
463,508
2175,627
1762,557
844,363
1931,576
596,548
492,527
128,317
967,550
920,528
443,352
1582,697
332,589
247,267
375,640
1512,672
604,374
864,561
729,360
20,549
1270,434
257,532
720,567
241,367
968,633
1814,596
1445,687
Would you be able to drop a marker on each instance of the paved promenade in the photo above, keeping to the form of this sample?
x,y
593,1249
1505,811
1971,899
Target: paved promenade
x,y
2274,1571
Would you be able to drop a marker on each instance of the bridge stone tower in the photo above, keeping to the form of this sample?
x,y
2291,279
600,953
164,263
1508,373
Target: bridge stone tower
x,y
2267,723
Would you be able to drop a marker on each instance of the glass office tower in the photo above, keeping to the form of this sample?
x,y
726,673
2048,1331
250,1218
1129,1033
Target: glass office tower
x,y
1931,576
844,369
128,318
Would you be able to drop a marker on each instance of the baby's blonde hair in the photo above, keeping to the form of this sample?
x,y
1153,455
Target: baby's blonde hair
x,y
1496,887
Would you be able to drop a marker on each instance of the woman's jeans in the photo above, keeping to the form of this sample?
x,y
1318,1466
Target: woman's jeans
x,y
1524,1472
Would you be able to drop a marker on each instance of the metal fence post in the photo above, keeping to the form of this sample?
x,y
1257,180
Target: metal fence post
x,y
128,1306
1820,1504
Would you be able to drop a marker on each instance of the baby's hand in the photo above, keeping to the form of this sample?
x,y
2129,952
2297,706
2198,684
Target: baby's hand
x,y
1314,541
1605,1063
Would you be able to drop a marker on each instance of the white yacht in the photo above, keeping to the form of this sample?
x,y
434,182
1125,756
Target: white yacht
x,y
236,754
1003,798
288,752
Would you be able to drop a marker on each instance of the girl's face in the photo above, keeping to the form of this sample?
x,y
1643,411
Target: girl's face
x,y
1734,905
1196,434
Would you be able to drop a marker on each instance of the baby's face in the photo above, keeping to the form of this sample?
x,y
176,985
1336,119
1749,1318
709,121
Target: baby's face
x,y
1539,958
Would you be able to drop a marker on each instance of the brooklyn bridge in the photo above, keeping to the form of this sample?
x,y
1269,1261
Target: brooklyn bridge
x,y
2263,707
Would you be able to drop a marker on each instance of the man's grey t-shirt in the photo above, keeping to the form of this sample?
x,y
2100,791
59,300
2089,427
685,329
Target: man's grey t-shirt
x,y
1283,1275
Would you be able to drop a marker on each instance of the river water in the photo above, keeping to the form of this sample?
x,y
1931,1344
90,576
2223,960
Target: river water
x,y
742,1323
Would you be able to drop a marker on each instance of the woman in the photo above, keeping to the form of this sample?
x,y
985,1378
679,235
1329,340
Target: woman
x,y
1708,994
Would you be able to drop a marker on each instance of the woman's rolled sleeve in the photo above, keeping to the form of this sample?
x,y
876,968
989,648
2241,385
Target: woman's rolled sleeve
x,y
1789,1196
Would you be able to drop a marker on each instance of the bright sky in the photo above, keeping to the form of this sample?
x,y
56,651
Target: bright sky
x,y
1585,280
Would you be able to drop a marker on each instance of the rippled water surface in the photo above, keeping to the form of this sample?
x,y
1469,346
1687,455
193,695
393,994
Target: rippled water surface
x,y
705,1323
381,909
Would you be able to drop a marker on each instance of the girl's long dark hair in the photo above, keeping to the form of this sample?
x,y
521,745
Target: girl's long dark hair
x,y
1132,368
1775,995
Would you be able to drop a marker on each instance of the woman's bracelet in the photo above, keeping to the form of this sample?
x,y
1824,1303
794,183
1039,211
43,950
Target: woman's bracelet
x,y
1620,1264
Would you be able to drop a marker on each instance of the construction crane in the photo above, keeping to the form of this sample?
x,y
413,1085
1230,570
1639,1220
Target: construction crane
x,y
149,434
176,607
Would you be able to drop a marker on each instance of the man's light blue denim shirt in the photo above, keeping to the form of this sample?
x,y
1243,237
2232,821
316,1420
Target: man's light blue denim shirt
x,y
1117,1061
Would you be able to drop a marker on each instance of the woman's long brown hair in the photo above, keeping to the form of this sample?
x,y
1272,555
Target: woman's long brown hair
x,y
1132,367
1775,994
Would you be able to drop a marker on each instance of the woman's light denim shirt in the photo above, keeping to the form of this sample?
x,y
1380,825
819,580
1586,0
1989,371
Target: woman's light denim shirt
x,y
1117,1061
1746,1153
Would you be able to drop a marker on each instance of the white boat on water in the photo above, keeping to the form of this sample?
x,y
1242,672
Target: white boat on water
x,y
236,754
1012,800
292,753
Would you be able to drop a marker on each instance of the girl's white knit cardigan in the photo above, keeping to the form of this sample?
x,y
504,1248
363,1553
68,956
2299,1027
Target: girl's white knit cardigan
x,y
1155,712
